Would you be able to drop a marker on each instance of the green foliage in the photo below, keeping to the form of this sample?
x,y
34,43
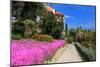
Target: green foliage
x,y
69,39
66,27
86,37
18,28
89,54
51,26
29,28
27,10
16,36
43,37
31,10
24,29
49,23
87,41
72,33
56,31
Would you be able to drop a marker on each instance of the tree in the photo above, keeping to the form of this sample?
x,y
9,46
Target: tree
x,y
49,23
66,27
23,29
27,10
51,26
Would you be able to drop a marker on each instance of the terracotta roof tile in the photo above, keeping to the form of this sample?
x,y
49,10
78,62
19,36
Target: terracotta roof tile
x,y
49,8
58,13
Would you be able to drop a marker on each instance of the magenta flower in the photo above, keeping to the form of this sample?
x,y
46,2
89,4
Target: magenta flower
x,y
29,52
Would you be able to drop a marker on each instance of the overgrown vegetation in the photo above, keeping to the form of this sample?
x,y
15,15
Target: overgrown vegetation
x,y
27,10
23,29
51,26
43,37
88,53
86,37
69,37
26,25
86,42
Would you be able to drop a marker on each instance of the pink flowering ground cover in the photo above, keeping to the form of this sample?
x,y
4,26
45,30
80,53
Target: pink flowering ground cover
x,y
29,52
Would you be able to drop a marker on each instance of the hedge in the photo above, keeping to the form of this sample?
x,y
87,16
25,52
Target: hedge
x,y
88,53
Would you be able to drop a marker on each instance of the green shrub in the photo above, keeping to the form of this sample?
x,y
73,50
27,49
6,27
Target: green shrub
x,y
69,39
88,53
28,11
49,23
24,28
51,26
87,38
43,37
16,36
18,28
29,28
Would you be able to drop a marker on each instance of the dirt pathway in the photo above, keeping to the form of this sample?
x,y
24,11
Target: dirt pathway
x,y
70,54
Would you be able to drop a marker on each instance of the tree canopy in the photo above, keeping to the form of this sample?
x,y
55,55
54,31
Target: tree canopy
x,y
27,10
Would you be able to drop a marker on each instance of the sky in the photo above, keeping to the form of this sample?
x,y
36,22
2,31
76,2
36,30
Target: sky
x,y
77,15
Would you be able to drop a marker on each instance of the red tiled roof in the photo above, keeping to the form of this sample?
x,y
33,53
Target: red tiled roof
x,y
58,13
49,8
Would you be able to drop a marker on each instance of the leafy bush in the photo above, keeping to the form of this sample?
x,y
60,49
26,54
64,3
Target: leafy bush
x,y
28,10
69,39
43,37
52,27
29,28
23,29
49,23
88,53
16,36
18,28
87,38
72,33
57,30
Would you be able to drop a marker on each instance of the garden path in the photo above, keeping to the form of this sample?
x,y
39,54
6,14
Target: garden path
x,y
70,54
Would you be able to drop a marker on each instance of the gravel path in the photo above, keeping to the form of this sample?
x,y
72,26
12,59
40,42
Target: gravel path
x,y
70,54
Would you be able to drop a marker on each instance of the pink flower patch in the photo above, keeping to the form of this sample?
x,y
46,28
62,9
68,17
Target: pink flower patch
x,y
29,52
